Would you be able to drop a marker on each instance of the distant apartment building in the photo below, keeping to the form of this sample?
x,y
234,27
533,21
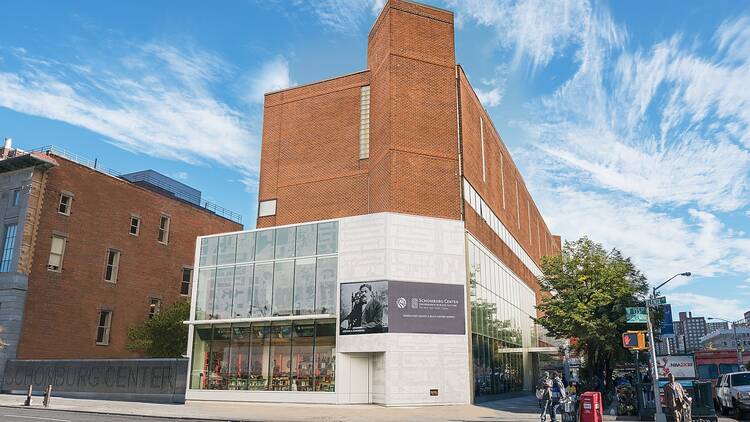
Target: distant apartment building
x,y
692,330
727,339
714,326
747,317
87,253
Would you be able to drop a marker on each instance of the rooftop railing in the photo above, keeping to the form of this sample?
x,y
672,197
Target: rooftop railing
x,y
95,165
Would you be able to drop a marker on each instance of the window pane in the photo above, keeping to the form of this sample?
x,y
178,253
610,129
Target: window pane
x,y
227,248
204,300
245,247
282,288
304,286
259,356
239,362
243,283
328,237
219,359
187,275
281,346
285,242
264,244
325,286
223,301
9,242
57,245
324,363
209,249
306,240
302,356
201,351
262,289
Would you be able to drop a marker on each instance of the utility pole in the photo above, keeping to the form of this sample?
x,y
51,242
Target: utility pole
x,y
659,416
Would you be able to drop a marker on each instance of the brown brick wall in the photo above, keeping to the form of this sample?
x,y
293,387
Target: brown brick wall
x,y
310,154
532,233
61,308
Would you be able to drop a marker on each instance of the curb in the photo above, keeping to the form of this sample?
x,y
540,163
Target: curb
x,y
94,412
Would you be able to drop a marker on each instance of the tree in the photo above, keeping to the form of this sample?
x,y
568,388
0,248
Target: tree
x,y
164,335
588,290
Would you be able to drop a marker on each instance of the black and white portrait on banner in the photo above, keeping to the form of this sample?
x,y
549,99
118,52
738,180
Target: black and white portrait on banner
x,y
364,308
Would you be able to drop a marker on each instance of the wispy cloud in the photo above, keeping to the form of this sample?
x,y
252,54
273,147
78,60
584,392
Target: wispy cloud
x,y
272,76
535,30
157,100
491,92
644,150
708,306
346,16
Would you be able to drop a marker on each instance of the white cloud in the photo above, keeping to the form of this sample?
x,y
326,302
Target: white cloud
x,y
180,175
645,150
157,100
708,306
490,97
272,76
536,30
347,16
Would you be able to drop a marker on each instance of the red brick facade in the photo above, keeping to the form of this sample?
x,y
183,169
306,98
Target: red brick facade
x,y
62,307
419,146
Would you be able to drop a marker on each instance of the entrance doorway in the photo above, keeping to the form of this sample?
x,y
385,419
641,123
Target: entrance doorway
x,y
359,379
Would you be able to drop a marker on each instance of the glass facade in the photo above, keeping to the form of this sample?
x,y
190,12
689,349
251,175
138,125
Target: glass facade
x,y
284,280
501,326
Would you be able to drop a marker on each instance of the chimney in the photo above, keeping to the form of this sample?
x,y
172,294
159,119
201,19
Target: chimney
x,y
7,148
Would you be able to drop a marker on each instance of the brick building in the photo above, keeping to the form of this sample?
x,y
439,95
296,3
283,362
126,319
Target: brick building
x,y
87,254
402,167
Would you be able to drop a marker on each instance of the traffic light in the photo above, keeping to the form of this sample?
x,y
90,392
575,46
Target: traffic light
x,y
634,340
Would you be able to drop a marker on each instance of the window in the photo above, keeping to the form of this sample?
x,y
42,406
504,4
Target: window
x,y
56,253
187,275
164,229
502,179
113,263
135,225
102,331
481,138
66,201
364,122
9,241
267,208
154,307
15,197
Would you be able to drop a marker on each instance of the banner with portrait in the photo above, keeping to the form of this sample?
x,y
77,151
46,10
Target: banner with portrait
x,y
364,308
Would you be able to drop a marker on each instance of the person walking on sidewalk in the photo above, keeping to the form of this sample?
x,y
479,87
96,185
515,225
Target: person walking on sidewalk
x,y
675,399
555,392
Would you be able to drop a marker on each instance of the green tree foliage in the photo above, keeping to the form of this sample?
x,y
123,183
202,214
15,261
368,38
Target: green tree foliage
x,y
165,335
589,289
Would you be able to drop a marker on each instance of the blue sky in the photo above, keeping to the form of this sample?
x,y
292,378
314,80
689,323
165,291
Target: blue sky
x,y
630,121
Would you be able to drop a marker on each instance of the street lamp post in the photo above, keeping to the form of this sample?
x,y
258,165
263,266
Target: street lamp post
x,y
659,416
736,339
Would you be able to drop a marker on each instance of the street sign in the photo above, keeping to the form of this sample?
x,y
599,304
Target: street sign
x,y
656,301
636,315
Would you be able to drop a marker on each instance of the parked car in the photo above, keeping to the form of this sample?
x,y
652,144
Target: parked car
x,y
733,393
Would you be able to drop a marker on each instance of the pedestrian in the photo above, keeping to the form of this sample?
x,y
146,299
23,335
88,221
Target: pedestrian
x,y
542,387
555,391
675,399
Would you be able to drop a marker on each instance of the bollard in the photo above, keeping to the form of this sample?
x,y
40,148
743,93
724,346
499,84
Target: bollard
x,y
47,395
28,397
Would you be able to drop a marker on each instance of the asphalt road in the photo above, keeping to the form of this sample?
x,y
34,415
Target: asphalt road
x,y
8,414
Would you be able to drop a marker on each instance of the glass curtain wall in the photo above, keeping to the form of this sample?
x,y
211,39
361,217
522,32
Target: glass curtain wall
x,y
501,310
288,272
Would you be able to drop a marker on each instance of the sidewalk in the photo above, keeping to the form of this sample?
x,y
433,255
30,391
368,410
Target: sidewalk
x,y
515,409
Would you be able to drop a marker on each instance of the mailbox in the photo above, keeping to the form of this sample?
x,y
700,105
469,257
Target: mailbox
x,y
591,407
